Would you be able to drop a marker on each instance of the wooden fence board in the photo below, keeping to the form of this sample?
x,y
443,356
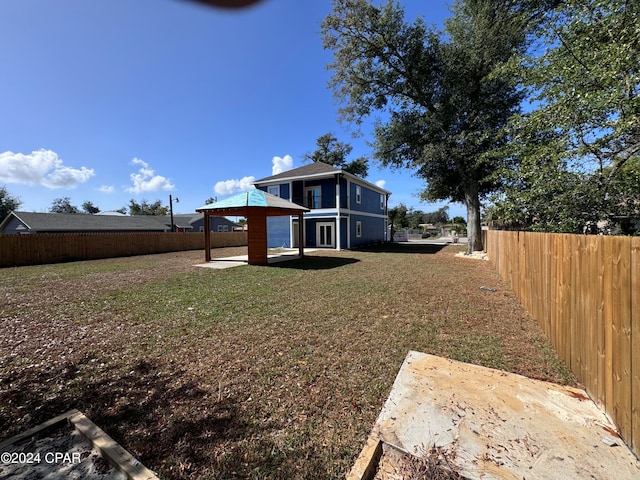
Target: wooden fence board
x,y
563,299
594,331
577,303
547,281
601,298
621,333
525,271
635,344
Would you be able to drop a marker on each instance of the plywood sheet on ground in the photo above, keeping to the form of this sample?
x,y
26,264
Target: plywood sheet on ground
x,y
495,424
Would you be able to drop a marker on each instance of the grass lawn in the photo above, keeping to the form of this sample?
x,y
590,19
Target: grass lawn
x,y
250,372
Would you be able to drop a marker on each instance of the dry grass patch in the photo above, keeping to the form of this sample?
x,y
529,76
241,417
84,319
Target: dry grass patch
x,y
250,372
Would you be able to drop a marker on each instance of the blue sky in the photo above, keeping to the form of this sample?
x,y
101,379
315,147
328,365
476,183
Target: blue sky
x,y
112,100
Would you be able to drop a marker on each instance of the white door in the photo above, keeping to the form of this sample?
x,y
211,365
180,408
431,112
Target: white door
x,y
325,234
296,235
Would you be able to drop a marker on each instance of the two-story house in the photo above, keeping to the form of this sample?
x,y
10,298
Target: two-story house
x,y
346,211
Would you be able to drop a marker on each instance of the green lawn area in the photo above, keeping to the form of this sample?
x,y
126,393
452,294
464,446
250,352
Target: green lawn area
x,y
250,372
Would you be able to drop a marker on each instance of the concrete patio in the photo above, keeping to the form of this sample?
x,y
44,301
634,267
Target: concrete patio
x,y
239,260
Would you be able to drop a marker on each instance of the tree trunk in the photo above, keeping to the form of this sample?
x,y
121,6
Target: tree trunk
x,y
474,230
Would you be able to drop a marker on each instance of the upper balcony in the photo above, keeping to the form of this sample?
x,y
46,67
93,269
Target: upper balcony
x,y
316,201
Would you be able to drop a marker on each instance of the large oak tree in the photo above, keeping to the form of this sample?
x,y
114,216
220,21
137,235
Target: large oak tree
x,y
438,106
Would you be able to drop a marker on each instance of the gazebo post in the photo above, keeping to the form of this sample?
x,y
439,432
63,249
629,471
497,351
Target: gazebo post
x,y
207,237
301,234
257,237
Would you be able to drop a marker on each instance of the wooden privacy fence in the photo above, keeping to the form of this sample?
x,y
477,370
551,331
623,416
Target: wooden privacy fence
x,y
35,249
584,291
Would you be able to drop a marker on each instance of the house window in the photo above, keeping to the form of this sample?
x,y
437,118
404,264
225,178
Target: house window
x,y
358,229
313,197
274,190
358,194
382,201
223,228
201,228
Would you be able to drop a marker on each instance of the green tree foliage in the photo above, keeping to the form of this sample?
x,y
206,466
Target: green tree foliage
x,y
439,108
146,208
539,196
63,205
8,203
90,208
335,153
402,217
438,217
578,149
398,216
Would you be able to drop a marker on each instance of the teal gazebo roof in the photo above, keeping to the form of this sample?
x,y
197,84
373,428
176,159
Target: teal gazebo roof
x,y
272,204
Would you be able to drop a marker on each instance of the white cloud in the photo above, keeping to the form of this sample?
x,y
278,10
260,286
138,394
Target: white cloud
x,y
146,180
106,189
41,167
227,187
381,183
281,164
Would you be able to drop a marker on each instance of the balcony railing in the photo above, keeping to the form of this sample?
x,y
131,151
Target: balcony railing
x,y
314,202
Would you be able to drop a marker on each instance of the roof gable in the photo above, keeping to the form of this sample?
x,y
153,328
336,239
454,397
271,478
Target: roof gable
x,y
315,168
240,203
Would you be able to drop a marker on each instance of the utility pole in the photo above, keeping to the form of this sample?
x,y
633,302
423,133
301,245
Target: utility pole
x,y
173,226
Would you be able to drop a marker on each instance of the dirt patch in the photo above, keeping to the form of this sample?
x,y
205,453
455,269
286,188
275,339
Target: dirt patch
x,y
473,255
397,465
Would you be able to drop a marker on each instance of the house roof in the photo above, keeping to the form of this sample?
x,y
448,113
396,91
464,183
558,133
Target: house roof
x,y
66,222
315,169
186,220
240,203
312,169
183,220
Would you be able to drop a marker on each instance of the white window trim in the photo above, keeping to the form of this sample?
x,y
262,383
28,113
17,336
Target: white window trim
x,y
358,228
333,239
358,194
275,187
311,189
381,201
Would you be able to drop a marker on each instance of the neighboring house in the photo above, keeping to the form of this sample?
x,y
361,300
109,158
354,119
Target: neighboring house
x,y
194,222
346,211
32,222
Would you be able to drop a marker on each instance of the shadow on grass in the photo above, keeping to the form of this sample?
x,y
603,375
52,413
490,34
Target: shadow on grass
x,y
424,248
315,263
171,423
166,420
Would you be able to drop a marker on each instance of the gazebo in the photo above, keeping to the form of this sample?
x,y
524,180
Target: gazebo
x,y
256,206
